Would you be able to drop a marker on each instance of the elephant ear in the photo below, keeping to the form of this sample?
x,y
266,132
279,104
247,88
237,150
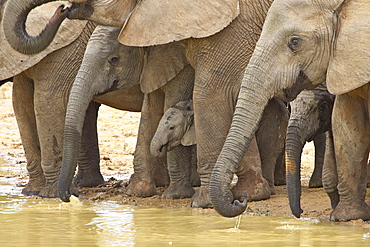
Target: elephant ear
x,y
154,22
189,137
17,62
349,66
162,63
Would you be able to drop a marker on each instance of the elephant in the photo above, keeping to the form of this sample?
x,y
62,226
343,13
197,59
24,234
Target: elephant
x,y
304,43
310,119
176,127
164,76
219,35
41,84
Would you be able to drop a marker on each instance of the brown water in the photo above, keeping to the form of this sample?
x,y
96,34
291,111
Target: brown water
x,y
48,222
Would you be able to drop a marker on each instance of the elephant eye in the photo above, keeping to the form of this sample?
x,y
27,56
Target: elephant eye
x,y
113,61
294,41
172,127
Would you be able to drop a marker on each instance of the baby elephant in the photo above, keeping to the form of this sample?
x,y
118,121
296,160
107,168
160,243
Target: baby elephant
x,y
310,119
176,127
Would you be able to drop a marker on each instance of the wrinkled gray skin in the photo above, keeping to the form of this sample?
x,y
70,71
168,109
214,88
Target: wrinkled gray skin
x,y
40,96
310,118
108,65
219,61
177,128
295,52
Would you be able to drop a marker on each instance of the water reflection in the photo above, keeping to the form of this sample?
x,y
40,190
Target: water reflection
x,y
48,222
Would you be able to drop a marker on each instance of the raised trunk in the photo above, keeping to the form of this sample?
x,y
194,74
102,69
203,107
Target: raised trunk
x,y
252,99
293,150
14,22
79,99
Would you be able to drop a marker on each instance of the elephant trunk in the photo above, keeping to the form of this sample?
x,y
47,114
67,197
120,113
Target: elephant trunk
x,y
252,99
14,22
294,145
158,148
79,99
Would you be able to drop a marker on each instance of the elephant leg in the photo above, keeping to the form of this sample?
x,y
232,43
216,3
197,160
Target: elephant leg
x,y
270,137
195,180
329,172
351,131
142,182
316,177
89,174
25,116
50,122
280,171
251,184
179,167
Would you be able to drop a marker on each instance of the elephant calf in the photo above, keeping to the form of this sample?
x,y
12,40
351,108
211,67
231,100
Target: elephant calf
x,y
310,119
177,128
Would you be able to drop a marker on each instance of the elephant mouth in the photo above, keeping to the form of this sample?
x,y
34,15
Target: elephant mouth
x,y
162,150
301,82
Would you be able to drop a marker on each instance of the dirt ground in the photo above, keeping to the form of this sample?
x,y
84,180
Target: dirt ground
x,y
117,138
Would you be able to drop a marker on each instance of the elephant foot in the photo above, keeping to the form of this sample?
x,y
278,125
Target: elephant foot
x,y
88,178
257,191
315,181
280,181
33,187
50,190
346,211
141,187
178,191
201,198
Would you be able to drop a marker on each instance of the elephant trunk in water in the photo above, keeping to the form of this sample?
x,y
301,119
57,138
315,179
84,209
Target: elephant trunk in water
x,y
78,102
14,22
293,150
248,112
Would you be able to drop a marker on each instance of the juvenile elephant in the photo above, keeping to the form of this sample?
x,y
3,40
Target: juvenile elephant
x,y
310,119
177,127
163,74
304,43
220,36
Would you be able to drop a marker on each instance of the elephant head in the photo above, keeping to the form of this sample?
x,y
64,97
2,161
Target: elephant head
x,y
303,43
310,116
108,65
175,127
145,23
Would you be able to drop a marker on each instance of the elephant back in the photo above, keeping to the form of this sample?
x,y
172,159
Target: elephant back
x,y
13,62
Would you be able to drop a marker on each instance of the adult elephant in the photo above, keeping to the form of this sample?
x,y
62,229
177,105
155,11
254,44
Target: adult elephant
x,y
219,35
40,93
303,43
310,119
165,77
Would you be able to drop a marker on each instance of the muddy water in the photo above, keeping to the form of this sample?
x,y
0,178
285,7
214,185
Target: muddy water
x,y
48,222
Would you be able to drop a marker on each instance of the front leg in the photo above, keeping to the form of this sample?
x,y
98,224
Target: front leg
x,y
316,177
142,181
89,174
25,116
351,131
